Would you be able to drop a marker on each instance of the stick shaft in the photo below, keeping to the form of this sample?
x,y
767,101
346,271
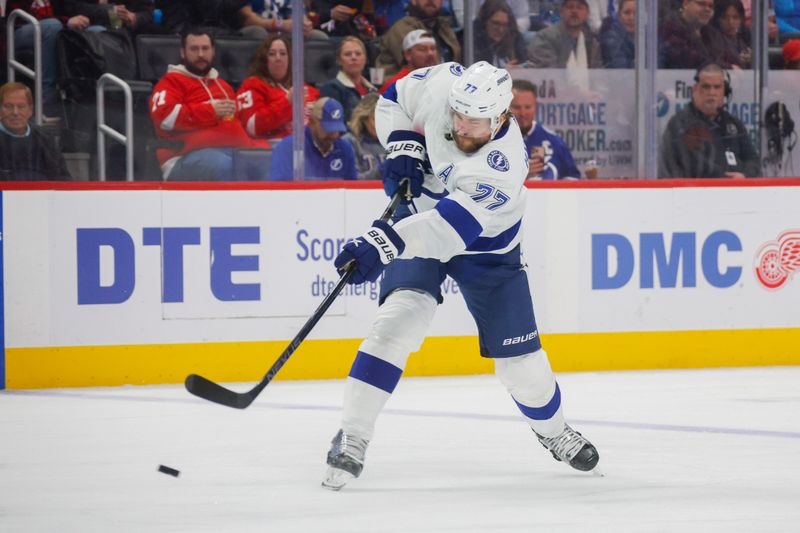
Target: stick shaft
x,y
214,392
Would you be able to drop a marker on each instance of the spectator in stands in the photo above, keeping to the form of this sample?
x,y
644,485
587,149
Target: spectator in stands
x,y
689,41
787,13
346,17
25,152
419,51
275,16
422,15
194,107
571,41
497,39
703,140
549,155
728,18
265,98
520,8
50,27
791,54
349,85
99,15
327,156
617,36
368,150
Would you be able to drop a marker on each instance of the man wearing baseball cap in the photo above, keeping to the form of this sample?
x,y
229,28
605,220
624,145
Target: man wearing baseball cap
x,y
422,15
327,156
419,51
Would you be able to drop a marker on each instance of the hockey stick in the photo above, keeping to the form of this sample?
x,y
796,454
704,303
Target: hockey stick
x,y
214,392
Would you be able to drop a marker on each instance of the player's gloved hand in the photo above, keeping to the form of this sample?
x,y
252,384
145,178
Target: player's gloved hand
x,y
372,251
405,159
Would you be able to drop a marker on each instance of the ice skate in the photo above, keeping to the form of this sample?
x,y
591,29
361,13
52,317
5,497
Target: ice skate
x,y
572,448
345,460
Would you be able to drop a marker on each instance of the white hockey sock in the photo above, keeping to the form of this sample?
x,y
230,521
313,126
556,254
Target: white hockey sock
x,y
398,330
533,386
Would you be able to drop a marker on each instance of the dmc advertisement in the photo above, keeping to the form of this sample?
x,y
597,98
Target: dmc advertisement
x,y
669,259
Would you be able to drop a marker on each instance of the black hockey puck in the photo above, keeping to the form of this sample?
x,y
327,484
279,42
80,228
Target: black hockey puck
x,y
167,470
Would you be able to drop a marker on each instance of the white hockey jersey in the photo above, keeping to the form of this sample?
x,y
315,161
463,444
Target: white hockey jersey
x,y
471,203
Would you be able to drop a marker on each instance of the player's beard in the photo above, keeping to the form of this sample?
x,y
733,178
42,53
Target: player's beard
x,y
467,144
198,71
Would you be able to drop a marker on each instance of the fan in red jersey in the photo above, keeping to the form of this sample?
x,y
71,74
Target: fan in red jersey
x,y
265,98
192,105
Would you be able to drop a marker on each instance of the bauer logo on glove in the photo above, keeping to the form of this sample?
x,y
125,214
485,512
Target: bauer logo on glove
x,y
385,248
371,252
411,149
404,160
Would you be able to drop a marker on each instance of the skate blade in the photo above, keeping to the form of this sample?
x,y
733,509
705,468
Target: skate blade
x,y
596,472
335,479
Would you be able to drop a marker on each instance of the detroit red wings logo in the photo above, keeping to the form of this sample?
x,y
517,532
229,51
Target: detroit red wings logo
x,y
778,260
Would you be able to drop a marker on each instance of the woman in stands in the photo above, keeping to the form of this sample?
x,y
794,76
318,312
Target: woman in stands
x,y
349,86
617,36
369,151
729,19
265,98
497,39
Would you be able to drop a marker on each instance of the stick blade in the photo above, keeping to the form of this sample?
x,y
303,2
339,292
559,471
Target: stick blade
x,y
214,392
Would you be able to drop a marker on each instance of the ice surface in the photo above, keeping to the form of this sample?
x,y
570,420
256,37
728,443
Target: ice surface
x,y
700,450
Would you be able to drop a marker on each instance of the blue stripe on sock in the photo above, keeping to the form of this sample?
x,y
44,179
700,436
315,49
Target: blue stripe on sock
x,y
376,372
542,413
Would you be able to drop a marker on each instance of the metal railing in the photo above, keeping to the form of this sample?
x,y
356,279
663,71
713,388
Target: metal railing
x,y
104,129
15,66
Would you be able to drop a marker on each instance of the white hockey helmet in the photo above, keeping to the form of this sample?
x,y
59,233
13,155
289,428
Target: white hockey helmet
x,y
483,91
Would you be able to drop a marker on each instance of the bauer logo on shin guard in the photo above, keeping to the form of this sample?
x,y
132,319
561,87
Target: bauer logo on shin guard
x,y
386,250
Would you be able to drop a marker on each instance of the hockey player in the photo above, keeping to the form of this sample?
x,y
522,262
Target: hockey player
x,y
449,131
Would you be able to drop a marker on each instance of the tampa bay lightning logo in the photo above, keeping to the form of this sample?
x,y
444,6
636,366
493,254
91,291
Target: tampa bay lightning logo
x,y
336,164
497,161
662,104
456,69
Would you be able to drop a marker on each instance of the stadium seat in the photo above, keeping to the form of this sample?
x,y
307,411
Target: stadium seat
x,y
247,159
320,62
233,57
775,57
154,53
